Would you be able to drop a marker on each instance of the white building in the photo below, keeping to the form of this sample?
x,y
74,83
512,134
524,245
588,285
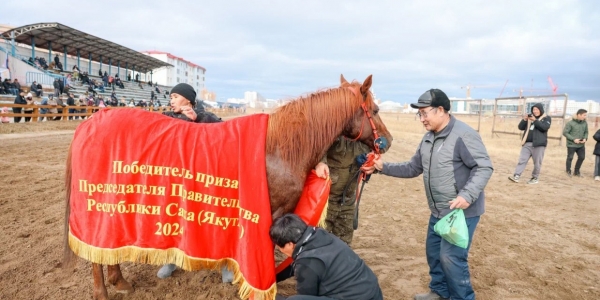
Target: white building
x,y
254,99
183,71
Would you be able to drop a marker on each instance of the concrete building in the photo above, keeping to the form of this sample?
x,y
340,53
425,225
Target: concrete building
x,y
183,71
254,99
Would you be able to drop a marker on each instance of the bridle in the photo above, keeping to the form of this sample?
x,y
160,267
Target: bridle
x,y
378,144
378,141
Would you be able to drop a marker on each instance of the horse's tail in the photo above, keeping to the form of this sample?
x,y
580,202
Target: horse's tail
x,y
68,254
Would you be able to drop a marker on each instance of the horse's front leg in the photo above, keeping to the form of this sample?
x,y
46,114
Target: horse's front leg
x,y
99,287
115,277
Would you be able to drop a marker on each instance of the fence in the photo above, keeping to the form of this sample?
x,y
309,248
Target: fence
x,y
512,109
42,78
79,111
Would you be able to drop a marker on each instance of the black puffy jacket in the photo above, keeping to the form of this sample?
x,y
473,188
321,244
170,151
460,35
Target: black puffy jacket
x,y
597,138
325,266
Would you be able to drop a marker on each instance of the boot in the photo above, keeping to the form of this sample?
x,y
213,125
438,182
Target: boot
x,y
429,296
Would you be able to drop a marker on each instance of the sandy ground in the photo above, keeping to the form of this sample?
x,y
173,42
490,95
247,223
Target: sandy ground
x,y
534,242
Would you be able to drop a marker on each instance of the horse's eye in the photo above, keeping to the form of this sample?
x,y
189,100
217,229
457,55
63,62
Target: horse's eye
x,y
376,111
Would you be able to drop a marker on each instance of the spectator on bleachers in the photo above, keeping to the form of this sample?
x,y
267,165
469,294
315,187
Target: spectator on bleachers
x,y
152,95
4,111
61,104
97,85
8,86
59,66
56,87
156,89
43,63
85,78
54,110
131,103
71,105
75,71
123,102
91,101
34,88
105,79
19,99
140,85
142,103
100,101
113,100
28,110
111,82
43,110
56,60
128,76
99,73
137,77
119,83
82,103
150,83
61,85
17,85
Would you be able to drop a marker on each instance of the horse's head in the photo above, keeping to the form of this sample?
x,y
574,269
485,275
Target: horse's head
x,y
366,124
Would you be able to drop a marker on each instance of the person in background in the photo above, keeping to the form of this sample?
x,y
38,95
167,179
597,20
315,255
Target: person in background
x,y
28,110
576,132
535,128
340,164
597,153
19,99
183,104
34,89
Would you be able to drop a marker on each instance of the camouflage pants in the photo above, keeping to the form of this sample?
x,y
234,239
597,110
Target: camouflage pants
x,y
339,220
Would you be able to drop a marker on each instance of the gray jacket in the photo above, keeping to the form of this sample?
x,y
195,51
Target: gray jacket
x,y
453,163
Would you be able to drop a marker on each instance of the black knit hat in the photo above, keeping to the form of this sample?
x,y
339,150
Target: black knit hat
x,y
185,90
433,98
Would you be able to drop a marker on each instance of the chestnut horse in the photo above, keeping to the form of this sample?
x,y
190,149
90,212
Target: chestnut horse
x,y
298,136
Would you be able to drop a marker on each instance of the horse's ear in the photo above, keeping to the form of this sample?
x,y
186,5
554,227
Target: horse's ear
x,y
366,85
343,80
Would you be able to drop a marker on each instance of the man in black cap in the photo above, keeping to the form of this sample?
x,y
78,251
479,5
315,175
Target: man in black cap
x,y
183,105
456,168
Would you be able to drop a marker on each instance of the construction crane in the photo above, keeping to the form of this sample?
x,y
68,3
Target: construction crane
x,y
554,87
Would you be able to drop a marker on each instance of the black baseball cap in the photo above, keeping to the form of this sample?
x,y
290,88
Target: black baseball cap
x,y
433,98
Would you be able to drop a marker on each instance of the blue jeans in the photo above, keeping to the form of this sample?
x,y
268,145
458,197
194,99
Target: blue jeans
x,y
448,264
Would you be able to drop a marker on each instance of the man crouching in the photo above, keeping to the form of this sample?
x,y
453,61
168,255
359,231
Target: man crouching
x,y
324,266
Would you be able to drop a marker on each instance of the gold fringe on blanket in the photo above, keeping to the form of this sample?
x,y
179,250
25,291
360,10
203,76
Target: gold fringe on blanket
x,y
322,222
161,257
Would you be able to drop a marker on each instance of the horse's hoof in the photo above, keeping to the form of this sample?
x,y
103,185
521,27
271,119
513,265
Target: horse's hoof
x,y
124,288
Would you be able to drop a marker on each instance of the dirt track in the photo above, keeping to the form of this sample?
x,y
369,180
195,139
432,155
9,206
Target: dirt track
x,y
534,242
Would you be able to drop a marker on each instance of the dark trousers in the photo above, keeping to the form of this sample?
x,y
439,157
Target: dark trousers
x,y
449,264
17,110
28,119
580,158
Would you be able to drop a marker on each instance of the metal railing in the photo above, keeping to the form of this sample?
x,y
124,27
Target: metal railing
x,y
41,78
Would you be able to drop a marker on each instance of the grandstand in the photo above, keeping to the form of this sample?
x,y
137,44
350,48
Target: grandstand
x,y
29,52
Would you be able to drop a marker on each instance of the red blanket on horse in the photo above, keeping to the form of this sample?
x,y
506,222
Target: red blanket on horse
x,y
167,191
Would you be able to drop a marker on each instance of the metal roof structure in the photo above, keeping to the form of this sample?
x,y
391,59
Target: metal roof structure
x,y
60,36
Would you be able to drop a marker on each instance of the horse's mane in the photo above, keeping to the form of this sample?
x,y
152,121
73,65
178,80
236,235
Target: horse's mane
x,y
308,123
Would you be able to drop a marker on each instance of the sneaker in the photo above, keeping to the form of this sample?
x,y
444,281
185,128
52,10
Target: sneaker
x,y
166,271
429,296
597,178
533,180
569,173
514,178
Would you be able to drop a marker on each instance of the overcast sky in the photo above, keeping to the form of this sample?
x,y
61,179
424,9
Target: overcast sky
x,y
283,49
